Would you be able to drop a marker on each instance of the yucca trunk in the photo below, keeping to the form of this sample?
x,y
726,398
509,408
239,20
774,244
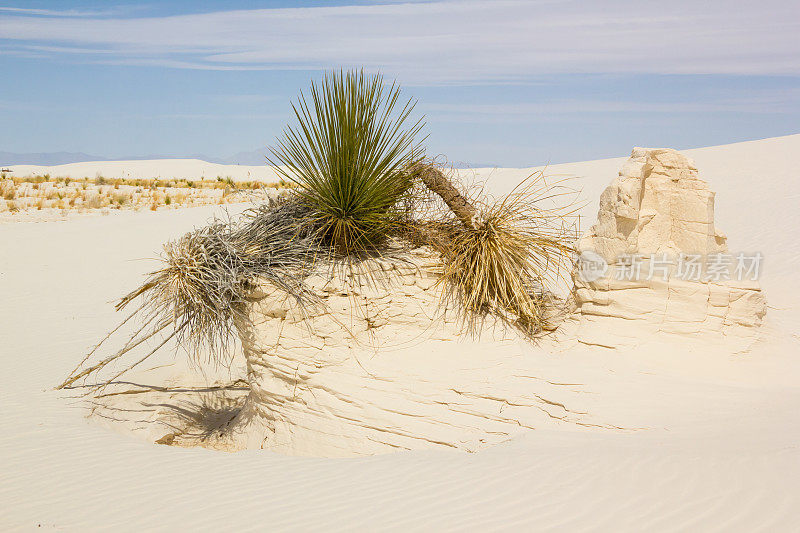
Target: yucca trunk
x,y
437,182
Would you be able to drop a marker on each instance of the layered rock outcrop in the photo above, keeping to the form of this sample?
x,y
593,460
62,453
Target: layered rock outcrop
x,y
656,257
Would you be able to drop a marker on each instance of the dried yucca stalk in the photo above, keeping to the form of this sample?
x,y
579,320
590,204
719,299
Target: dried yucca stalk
x,y
506,257
200,294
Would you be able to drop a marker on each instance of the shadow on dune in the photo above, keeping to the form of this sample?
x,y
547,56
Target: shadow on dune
x,y
173,415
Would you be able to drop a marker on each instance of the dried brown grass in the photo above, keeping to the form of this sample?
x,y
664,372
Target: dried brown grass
x,y
198,298
511,262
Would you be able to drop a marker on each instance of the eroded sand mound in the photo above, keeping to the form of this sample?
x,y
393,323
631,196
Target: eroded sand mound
x,y
383,368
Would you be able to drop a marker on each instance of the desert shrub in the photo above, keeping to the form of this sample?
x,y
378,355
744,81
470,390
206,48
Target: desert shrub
x,y
348,153
92,201
8,190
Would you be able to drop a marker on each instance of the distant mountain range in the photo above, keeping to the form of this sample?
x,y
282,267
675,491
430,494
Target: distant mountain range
x,y
47,159
256,157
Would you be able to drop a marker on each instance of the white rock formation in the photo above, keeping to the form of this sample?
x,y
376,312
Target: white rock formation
x,y
382,369
669,268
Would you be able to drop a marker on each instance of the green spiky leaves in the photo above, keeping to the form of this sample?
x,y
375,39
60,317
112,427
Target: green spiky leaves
x,y
350,152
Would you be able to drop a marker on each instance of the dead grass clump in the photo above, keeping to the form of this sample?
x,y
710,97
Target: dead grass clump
x,y
93,201
199,296
510,256
121,198
8,190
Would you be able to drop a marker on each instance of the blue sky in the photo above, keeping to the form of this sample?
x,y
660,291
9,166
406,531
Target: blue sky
x,y
511,83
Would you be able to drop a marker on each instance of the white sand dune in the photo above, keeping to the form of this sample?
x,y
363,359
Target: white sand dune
x,y
719,453
150,169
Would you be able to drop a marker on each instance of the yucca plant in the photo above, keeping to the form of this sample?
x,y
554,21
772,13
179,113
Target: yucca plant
x,y
353,157
350,153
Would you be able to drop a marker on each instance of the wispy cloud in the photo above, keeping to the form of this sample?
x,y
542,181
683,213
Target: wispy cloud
x,y
438,42
62,13
768,102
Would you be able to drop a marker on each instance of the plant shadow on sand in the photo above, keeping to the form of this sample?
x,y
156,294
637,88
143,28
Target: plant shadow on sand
x,y
172,415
